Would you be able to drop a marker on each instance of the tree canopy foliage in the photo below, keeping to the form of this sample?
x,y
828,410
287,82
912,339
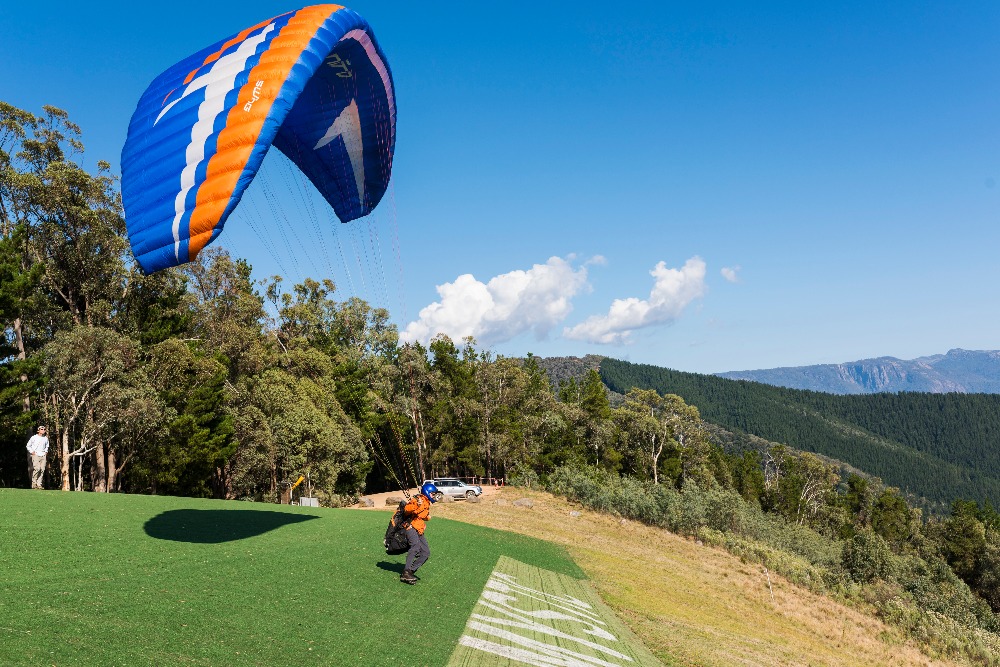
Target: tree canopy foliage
x,y
935,446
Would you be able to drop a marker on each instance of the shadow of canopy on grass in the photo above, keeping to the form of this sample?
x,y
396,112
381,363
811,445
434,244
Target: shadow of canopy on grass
x,y
214,526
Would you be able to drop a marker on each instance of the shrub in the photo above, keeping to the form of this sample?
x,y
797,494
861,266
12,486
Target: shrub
x,y
919,593
867,557
688,511
522,476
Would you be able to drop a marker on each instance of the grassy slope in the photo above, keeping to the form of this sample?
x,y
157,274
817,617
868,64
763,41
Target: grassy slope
x,y
135,580
695,605
122,580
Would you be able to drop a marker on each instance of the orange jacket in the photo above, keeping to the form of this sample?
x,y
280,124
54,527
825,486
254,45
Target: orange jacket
x,y
418,512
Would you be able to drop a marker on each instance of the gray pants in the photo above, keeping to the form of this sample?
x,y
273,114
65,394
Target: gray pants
x,y
419,551
37,469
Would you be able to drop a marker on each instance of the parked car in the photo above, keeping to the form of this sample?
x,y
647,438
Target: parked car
x,y
456,488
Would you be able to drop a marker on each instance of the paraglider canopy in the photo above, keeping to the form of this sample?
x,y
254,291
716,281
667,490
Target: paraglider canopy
x,y
313,83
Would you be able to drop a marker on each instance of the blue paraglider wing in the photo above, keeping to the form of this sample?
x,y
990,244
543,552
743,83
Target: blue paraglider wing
x,y
314,83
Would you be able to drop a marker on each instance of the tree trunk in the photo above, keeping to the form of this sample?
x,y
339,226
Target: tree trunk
x,y
656,460
418,427
221,486
488,441
64,467
112,470
19,339
418,431
100,474
274,481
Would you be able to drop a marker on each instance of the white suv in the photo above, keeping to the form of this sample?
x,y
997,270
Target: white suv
x,y
456,488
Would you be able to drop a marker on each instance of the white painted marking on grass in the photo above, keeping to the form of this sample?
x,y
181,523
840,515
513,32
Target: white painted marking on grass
x,y
505,583
532,618
538,654
539,628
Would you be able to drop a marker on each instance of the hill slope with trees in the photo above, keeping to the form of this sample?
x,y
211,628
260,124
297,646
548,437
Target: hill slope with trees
x,y
939,446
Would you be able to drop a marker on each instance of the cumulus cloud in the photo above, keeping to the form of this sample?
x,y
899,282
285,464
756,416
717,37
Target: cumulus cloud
x,y
731,273
509,304
672,291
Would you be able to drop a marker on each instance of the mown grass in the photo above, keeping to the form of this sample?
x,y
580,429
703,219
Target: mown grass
x,y
97,579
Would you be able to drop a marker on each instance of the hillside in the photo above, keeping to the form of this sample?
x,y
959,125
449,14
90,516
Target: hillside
x,y
939,446
563,369
964,371
697,605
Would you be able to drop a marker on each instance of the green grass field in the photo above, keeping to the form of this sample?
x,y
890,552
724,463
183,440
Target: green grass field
x,y
109,579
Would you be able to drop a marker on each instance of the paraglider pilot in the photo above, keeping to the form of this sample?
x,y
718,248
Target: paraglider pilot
x,y
418,513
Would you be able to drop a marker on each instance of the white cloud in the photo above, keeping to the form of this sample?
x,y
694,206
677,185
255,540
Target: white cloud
x,y
731,273
672,291
508,305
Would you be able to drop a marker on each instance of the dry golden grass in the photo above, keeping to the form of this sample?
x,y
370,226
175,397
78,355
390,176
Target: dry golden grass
x,y
693,604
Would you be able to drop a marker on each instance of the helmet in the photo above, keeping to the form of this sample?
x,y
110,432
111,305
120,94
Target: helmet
x,y
429,490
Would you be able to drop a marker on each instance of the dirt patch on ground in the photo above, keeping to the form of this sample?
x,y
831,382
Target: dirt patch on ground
x,y
379,499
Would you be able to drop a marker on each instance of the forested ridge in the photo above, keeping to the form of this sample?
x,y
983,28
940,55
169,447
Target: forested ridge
x,y
938,446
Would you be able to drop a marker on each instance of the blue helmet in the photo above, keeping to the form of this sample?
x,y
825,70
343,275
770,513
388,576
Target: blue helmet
x,y
429,490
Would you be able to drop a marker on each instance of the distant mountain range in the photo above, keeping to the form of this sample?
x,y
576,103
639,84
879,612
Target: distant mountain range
x,y
963,371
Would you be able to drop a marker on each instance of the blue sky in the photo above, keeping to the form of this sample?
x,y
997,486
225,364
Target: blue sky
x,y
808,183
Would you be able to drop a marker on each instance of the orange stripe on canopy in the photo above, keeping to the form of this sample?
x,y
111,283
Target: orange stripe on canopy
x,y
237,139
235,40
218,54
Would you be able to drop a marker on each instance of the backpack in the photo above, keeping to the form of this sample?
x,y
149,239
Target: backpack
x,y
395,535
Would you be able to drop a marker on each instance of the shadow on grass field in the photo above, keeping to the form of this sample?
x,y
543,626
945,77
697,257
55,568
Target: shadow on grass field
x,y
111,579
391,567
213,526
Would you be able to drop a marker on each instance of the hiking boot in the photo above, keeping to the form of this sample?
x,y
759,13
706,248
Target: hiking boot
x,y
407,577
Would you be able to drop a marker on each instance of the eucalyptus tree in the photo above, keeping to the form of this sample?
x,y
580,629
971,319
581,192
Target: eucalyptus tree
x,y
62,234
291,424
364,350
355,348
76,225
693,444
655,425
18,276
500,408
450,420
84,365
226,313
415,390
645,433
809,486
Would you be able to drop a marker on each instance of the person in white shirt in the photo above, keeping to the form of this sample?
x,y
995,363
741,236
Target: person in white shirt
x,y
38,448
